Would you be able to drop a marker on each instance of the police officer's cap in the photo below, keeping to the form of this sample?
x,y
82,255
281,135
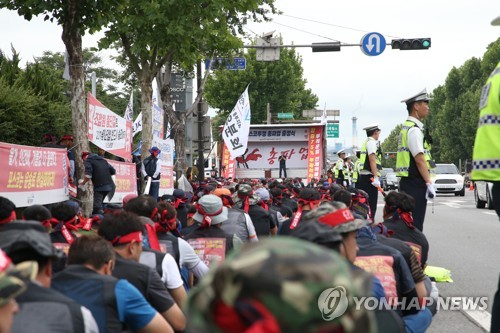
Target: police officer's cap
x,y
341,151
421,96
371,127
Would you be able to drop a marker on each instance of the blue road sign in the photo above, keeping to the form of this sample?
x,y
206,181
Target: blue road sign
x,y
228,63
373,44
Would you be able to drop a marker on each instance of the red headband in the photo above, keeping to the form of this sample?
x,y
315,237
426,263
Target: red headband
x,y
128,238
207,217
337,218
9,218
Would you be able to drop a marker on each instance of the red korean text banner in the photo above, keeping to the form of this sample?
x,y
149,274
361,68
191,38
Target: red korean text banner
x,y
166,180
125,180
315,153
109,131
209,249
33,175
227,163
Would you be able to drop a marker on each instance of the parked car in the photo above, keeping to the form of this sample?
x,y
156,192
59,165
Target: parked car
x,y
383,174
391,181
482,194
447,179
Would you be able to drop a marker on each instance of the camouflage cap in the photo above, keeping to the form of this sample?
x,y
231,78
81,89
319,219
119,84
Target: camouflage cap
x,y
281,282
13,278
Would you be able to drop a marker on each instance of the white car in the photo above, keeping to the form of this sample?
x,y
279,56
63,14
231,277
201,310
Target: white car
x,y
482,194
447,179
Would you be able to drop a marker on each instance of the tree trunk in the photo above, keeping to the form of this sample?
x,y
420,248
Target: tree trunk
x,y
72,39
147,115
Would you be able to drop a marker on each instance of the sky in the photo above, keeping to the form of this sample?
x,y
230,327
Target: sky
x,y
370,88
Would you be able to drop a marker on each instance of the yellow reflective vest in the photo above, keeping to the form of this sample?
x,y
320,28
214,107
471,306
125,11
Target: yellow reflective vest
x,y
486,155
404,165
364,161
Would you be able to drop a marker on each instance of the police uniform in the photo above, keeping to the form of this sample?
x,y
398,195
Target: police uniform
x,y
338,168
486,155
366,176
411,143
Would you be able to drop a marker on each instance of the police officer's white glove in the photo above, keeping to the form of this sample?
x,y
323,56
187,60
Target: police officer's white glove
x,y
376,182
431,192
344,183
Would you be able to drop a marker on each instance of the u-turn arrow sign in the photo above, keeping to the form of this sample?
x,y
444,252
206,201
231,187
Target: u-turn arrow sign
x,y
373,44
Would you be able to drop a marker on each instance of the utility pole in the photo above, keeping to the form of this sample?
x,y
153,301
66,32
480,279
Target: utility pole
x,y
201,158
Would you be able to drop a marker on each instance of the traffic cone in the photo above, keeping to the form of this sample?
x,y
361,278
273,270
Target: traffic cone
x,y
471,186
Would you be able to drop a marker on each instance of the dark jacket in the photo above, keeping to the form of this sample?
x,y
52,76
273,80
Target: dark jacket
x,y
100,171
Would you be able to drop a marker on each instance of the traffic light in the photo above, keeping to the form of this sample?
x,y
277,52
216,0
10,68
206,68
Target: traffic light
x,y
326,47
411,44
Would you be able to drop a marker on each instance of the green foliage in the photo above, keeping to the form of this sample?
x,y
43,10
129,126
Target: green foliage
x,y
454,109
390,145
279,83
36,100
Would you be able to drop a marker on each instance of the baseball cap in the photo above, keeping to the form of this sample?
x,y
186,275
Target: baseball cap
x,y
20,235
278,284
13,278
210,206
262,193
154,149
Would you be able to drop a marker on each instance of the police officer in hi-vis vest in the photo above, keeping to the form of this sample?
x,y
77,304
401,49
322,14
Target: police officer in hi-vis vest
x,y
414,160
369,166
486,155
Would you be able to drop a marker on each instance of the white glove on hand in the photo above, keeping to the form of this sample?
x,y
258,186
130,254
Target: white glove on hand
x,y
344,183
376,182
431,192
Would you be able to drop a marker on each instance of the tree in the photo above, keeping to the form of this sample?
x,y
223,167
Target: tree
x,y
390,145
75,17
279,83
166,33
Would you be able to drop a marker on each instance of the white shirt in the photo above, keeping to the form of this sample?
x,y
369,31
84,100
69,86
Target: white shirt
x,y
171,275
415,137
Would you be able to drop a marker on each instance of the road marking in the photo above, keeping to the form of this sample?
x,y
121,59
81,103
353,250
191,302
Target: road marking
x,y
481,317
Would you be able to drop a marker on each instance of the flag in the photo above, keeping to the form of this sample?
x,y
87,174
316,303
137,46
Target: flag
x,y
137,126
129,111
237,126
324,117
66,66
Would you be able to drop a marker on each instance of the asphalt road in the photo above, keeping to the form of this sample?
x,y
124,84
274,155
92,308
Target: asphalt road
x,y
463,239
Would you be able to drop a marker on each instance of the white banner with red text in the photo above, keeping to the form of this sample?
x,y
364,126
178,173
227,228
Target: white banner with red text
x,y
125,180
109,131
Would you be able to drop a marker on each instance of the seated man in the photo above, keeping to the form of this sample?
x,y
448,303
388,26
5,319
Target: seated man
x,y
88,281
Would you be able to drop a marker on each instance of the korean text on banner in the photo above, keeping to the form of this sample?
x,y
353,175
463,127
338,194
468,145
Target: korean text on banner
x,y
33,175
167,150
109,131
227,163
157,122
125,180
137,126
129,111
209,249
315,153
237,126
166,180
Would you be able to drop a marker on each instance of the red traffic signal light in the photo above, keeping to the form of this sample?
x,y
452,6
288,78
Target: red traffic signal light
x,y
411,44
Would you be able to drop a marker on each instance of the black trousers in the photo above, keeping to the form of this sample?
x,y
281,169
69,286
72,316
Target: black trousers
x,y
416,188
365,183
98,202
282,168
495,191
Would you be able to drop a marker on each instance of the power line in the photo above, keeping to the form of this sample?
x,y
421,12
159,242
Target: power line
x,y
330,24
307,32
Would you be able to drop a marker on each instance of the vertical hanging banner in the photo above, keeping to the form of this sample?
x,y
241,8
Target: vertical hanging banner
x,y
137,126
157,122
227,163
315,152
167,164
109,131
125,180
237,126
33,175
129,111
